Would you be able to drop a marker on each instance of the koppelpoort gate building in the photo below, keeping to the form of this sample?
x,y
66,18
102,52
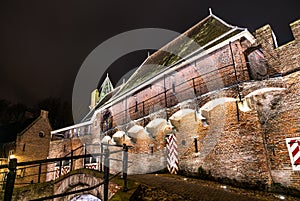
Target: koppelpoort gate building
x,y
232,102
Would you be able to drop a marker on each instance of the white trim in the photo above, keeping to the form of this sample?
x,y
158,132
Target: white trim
x,y
225,42
132,76
121,87
234,28
72,127
225,23
210,11
244,33
190,60
274,40
179,64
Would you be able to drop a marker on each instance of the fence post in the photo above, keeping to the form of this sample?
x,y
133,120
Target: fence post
x,y
101,157
60,167
40,172
71,166
125,166
196,144
84,155
136,105
143,108
4,180
10,181
165,92
106,174
194,87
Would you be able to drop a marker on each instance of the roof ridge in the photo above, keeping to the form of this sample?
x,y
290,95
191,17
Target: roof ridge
x,y
163,48
29,126
211,18
135,72
226,23
176,63
106,88
172,42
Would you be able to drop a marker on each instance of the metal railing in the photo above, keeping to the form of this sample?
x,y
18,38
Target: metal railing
x,y
191,88
12,166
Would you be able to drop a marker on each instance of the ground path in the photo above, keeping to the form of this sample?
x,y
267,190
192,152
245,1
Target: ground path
x,y
198,190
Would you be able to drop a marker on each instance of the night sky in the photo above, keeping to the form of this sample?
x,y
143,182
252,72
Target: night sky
x,y
44,43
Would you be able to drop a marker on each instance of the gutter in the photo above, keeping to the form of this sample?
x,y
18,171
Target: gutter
x,y
188,59
71,127
182,62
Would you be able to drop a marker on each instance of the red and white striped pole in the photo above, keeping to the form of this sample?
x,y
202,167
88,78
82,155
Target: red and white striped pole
x,y
172,158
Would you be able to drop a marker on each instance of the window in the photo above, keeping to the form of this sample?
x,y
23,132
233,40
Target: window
x,y
107,120
93,160
257,64
91,163
41,134
57,164
90,160
66,163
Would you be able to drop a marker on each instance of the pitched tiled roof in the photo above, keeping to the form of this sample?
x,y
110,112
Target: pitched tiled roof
x,y
205,34
210,29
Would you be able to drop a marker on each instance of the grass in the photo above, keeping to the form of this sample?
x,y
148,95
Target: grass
x,y
122,196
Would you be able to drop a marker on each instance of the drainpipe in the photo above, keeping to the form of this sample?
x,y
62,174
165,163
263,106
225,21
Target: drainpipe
x,y
237,82
262,130
235,72
165,92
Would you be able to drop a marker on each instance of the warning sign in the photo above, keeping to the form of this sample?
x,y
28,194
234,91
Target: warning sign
x,y
293,145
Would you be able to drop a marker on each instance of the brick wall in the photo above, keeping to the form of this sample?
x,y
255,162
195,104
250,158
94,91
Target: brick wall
x,y
62,148
231,146
284,58
33,144
281,122
247,147
211,72
281,119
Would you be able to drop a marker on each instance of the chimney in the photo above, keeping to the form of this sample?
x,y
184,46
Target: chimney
x,y
44,114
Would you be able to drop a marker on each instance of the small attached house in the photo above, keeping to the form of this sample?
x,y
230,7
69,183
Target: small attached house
x,y
32,143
